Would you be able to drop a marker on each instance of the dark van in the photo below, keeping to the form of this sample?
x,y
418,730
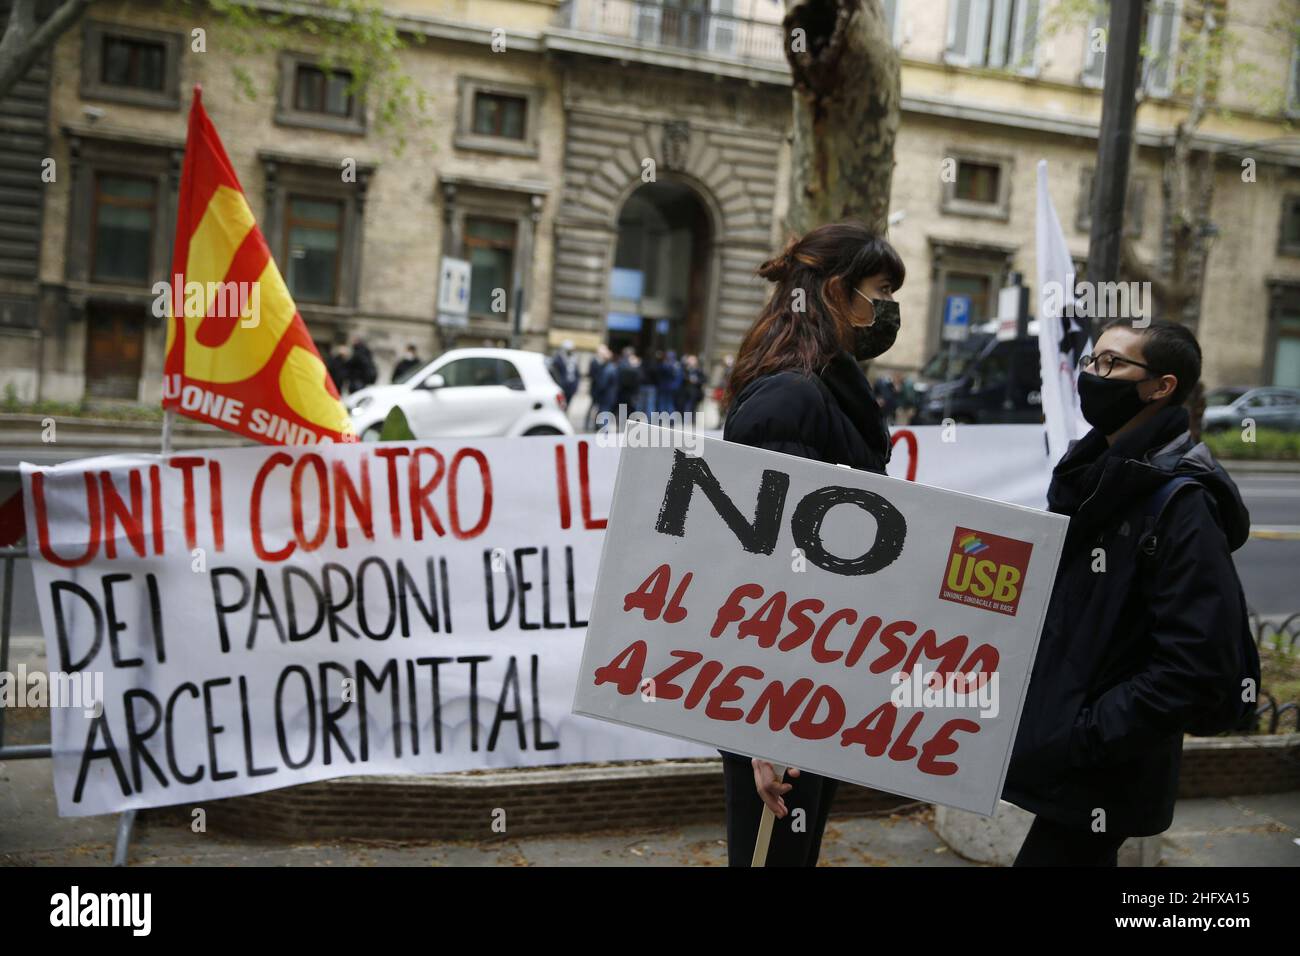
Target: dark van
x,y
983,381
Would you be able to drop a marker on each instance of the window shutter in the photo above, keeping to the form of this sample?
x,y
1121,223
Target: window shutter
x,y
1094,61
1162,47
722,28
647,23
999,32
959,12
891,20
1024,53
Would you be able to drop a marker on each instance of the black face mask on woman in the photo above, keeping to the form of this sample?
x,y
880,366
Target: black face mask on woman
x,y
1108,404
878,337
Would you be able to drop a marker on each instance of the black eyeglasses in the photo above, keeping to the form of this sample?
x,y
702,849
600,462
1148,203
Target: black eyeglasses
x,y
1104,364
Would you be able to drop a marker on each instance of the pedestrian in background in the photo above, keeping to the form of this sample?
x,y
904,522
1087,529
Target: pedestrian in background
x,y
602,383
720,389
564,369
408,364
629,380
337,366
887,396
647,399
692,390
361,371
669,382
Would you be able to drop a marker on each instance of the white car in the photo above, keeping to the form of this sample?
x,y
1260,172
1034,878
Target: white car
x,y
469,393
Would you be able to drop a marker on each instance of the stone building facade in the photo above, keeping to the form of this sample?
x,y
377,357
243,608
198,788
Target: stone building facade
x,y
615,170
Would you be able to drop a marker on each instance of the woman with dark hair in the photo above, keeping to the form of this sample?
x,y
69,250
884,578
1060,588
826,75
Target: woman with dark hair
x,y
797,388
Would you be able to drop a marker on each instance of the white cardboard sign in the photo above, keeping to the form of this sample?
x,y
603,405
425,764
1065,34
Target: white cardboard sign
x,y
791,610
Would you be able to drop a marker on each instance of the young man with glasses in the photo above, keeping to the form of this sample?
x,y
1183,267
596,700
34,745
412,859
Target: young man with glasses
x,y
1146,635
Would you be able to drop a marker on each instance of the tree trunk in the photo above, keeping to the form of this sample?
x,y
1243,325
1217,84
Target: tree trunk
x,y
24,41
1186,185
846,107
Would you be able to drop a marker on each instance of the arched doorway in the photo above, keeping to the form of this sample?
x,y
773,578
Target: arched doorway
x,y
659,283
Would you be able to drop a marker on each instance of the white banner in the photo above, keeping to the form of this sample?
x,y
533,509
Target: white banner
x,y
253,618
862,627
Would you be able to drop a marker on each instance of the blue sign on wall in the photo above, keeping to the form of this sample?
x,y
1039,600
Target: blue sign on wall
x,y
956,317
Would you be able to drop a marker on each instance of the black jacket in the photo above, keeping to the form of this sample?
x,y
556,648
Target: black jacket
x,y
1130,655
831,417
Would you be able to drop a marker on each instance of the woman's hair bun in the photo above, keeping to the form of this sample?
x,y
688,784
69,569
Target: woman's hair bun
x,y
779,267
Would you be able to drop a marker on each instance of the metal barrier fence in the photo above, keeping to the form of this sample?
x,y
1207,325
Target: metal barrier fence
x,y
8,556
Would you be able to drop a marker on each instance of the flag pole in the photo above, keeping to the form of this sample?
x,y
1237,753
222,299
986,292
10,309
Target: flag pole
x,y
168,416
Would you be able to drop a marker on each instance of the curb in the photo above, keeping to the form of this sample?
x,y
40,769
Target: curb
x,y
1248,466
578,798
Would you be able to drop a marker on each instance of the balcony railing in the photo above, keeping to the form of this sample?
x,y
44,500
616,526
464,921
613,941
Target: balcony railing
x,y
675,26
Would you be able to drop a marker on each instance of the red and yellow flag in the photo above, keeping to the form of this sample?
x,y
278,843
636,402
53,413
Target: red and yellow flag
x,y
238,353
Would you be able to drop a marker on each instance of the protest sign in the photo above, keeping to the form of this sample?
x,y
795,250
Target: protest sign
x,y
869,629
267,616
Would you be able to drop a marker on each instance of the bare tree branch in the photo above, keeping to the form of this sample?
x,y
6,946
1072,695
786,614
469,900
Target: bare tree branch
x,y
24,42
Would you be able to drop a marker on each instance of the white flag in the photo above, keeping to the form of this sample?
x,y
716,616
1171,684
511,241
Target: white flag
x,y
1057,328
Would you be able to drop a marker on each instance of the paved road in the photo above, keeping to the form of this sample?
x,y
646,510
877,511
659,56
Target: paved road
x,y
1269,564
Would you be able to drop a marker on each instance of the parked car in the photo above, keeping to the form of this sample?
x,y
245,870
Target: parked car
x,y
1268,407
469,393
982,381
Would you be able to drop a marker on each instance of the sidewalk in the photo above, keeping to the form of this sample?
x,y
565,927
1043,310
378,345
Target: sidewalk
x,y
1237,831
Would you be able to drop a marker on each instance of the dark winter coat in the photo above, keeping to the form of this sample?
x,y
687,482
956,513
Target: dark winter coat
x,y
831,417
630,380
407,364
361,370
1131,655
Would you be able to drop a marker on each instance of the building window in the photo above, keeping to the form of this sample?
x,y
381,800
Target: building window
x,y
129,65
316,91
978,186
999,34
123,231
1134,204
133,63
314,223
893,21
1289,235
1160,48
972,271
312,96
313,238
977,182
497,117
490,249
1286,350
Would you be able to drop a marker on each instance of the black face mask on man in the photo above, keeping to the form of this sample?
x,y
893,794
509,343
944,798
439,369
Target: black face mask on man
x,y
878,337
1108,404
